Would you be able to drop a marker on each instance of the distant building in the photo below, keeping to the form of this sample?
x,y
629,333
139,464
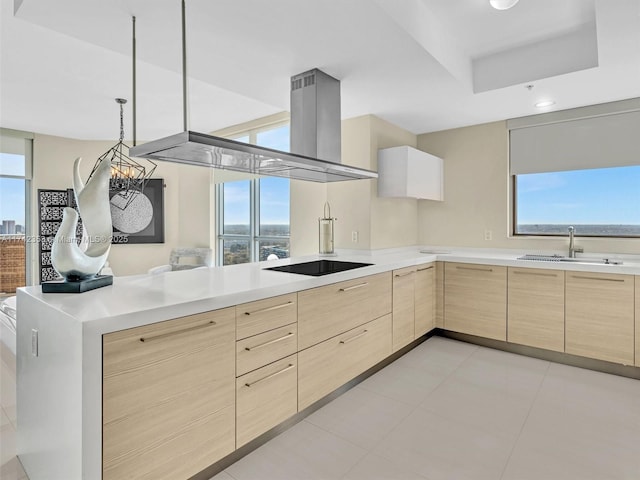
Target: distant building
x,y
20,230
9,227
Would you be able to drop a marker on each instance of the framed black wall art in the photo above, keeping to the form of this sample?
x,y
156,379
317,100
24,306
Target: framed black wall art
x,y
139,217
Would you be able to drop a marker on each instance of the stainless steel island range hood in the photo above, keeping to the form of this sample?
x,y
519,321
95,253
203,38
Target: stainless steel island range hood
x,y
315,131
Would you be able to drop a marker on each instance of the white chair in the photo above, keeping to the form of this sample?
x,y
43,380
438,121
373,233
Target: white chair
x,y
196,258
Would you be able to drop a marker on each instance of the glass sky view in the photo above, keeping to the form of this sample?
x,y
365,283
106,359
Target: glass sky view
x,y
596,196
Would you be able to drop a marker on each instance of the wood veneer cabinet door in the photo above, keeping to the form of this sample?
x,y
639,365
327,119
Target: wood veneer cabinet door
x,y
332,363
425,299
637,281
440,294
327,311
169,397
403,307
536,308
599,321
475,299
265,398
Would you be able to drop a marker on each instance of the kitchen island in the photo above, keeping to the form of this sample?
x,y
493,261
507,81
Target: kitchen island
x,y
61,338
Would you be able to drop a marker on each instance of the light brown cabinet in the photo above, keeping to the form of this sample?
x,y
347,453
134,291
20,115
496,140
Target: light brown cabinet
x,y
169,395
266,397
425,299
637,282
403,307
599,318
475,300
332,363
266,365
536,308
440,294
330,310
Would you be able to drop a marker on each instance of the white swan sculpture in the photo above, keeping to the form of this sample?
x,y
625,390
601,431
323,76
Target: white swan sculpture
x,y
67,258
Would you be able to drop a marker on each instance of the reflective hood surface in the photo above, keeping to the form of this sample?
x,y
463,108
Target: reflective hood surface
x,y
216,152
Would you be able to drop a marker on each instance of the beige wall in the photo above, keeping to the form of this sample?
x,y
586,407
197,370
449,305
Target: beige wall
x,y
394,221
380,222
307,203
477,196
186,200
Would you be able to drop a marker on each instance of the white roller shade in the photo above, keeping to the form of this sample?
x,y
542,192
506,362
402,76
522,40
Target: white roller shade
x,y
610,140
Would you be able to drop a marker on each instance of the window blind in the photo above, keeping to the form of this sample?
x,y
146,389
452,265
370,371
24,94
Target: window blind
x,y
570,140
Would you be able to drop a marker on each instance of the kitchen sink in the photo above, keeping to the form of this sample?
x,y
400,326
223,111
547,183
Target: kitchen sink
x,y
560,258
317,268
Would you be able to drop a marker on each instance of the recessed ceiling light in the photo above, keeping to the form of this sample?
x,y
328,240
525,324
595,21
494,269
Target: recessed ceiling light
x,y
502,4
545,103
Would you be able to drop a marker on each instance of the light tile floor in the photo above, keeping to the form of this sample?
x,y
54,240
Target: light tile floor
x,y
446,410
449,410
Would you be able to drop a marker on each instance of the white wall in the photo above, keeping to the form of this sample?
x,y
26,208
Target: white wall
x,y
477,196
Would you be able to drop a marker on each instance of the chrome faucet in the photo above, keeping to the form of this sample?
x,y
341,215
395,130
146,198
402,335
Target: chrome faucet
x,y
572,248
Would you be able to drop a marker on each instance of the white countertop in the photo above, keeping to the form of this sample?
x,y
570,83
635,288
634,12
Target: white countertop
x,y
142,299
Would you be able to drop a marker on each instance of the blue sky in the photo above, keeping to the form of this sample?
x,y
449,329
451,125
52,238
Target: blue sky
x,y
12,193
274,191
596,196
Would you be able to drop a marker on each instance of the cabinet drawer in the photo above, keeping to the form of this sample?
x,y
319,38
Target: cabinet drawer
x,y
330,364
333,309
168,394
599,319
263,315
259,350
265,398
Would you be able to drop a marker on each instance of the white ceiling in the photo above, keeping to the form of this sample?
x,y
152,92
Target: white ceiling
x,y
424,65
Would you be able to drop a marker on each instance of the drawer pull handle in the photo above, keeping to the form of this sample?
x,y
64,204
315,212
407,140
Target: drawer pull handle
x,y
584,277
269,309
184,330
270,342
354,337
475,268
353,287
425,268
539,274
404,274
289,367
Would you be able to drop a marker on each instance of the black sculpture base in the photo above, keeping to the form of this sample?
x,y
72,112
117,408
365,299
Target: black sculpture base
x,y
63,286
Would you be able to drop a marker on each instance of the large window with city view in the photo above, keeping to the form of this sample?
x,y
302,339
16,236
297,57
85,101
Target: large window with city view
x,y
253,215
13,213
601,202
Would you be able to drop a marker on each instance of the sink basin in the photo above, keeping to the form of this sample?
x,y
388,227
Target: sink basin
x,y
560,258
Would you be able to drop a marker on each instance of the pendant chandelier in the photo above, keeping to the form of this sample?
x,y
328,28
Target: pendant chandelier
x,y
128,177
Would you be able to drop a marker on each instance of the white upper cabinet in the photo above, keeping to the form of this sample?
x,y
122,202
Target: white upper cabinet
x,y
409,173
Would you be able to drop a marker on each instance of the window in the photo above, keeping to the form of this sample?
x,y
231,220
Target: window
x,y
577,167
597,202
253,215
14,188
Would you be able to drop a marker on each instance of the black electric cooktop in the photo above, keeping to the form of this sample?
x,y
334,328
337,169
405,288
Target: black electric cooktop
x,y
318,268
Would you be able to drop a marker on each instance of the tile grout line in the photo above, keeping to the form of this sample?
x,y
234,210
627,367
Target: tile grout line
x,y
533,402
